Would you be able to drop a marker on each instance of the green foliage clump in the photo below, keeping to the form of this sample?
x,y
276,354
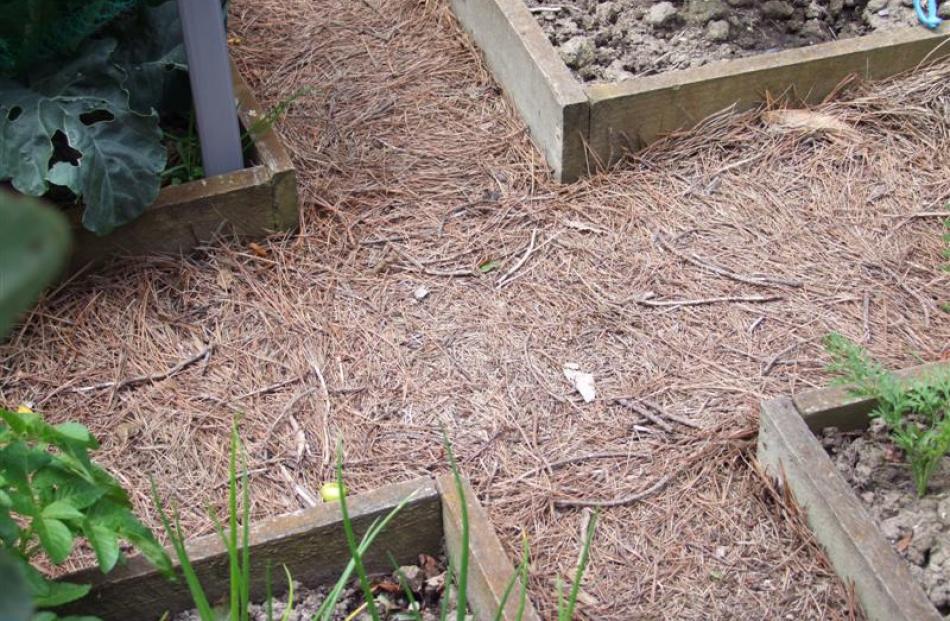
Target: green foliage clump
x,y
51,493
88,126
35,31
917,414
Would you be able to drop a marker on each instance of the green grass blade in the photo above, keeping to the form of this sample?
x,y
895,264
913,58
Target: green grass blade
x,y
326,608
446,590
579,573
351,540
289,610
232,542
245,533
464,546
521,576
178,543
523,571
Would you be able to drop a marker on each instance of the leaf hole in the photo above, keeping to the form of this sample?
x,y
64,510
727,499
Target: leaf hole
x,y
63,151
96,116
14,113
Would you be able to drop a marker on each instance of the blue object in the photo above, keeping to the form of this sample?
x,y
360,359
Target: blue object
x,y
928,19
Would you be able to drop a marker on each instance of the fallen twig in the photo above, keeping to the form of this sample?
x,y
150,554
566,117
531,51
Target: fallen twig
x,y
617,502
644,412
326,413
759,281
775,359
524,259
573,460
673,417
147,379
646,300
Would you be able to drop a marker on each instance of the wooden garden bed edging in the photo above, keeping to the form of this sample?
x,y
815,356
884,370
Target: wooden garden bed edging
x,y
312,544
790,451
580,127
252,202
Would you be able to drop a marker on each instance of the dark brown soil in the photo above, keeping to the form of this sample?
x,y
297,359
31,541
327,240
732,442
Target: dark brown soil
x,y
919,528
611,40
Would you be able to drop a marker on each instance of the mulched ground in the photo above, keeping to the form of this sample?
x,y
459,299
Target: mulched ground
x,y
698,277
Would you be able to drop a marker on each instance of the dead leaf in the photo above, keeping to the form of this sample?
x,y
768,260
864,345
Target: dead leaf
x,y
389,586
904,542
809,121
583,382
258,250
429,565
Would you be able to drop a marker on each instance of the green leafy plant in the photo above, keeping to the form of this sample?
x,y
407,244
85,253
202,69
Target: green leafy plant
x,y
88,126
51,493
917,413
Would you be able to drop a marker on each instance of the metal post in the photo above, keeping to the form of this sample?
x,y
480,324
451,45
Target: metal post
x,y
210,73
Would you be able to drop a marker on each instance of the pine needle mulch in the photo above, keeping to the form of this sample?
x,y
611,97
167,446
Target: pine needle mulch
x,y
692,282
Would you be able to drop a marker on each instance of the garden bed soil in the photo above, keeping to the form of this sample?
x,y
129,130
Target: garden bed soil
x,y
426,579
918,528
613,40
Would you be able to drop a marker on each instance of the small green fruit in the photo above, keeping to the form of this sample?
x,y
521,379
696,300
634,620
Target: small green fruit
x,y
331,492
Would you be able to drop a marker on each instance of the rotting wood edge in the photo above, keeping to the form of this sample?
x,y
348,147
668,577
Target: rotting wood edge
x,y
311,543
789,451
251,202
594,125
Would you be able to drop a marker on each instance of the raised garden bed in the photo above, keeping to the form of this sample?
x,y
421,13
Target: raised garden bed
x,y
311,543
252,202
580,127
791,436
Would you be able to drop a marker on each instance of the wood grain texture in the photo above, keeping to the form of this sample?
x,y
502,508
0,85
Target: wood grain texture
x,y
836,407
631,114
535,79
490,569
253,202
855,546
311,543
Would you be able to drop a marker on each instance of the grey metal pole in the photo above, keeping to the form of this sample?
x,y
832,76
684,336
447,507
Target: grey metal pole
x,y
210,73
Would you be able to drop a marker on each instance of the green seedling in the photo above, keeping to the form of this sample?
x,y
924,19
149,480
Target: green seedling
x,y
916,414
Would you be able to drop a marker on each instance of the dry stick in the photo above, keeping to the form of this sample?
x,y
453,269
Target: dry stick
x,y
148,379
759,281
287,408
326,413
627,403
521,261
673,417
656,487
305,496
573,460
617,502
425,270
647,301
866,316
774,361
910,292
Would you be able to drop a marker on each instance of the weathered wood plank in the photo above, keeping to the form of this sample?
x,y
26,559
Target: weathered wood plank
x,y
532,75
836,407
252,202
855,546
490,569
311,543
631,114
